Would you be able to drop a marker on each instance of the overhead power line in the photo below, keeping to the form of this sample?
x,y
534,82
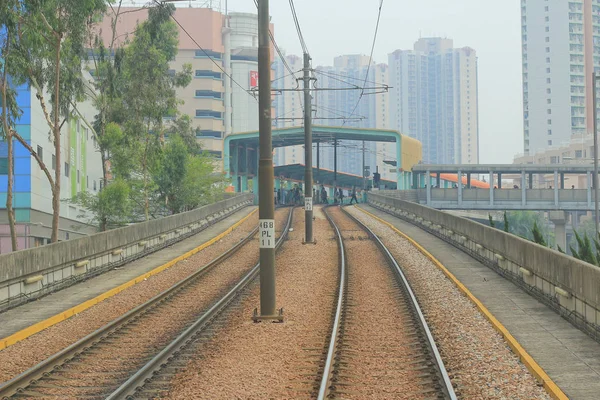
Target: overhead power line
x,y
370,59
209,56
300,36
283,60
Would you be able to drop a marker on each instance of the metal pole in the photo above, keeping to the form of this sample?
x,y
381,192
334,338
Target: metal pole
x,y
266,203
595,153
363,167
308,179
334,168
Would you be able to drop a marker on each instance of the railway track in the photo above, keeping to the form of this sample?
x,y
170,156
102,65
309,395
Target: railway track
x,y
380,345
117,360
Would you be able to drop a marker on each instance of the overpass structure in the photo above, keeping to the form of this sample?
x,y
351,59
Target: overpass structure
x,y
557,197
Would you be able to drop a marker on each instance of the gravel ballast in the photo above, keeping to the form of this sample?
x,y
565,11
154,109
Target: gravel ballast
x,y
247,360
380,355
17,358
480,363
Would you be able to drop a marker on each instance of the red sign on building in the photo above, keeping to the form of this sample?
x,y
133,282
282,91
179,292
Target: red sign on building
x,y
253,79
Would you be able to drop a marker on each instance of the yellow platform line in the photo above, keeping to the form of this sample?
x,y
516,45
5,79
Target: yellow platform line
x,y
40,326
552,388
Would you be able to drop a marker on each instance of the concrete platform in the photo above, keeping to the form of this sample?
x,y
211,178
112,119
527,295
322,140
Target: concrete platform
x,y
21,317
569,356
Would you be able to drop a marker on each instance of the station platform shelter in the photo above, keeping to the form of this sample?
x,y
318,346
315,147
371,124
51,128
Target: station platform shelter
x,y
240,156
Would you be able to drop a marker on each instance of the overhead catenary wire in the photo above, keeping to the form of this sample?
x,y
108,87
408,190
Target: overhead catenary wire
x,y
370,58
284,61
297,23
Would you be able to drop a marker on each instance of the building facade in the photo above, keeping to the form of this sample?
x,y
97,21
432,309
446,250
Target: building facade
x,y
434,98
217,45
560,51
289,106
81,170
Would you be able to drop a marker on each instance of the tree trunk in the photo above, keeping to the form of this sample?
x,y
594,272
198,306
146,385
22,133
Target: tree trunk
x,y
9,144
9,140
9,193
144,166
56,188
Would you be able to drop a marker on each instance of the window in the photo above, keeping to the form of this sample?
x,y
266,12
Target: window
x,y
549,122
547,19
549,101
40,153
549,131
547,39
209,93
548,80
553,159
94,186
201,73
548,59
547,70
53,161
549,111
547,29
546,8
547,49
550,144
578,153
207,54
548,90
209,114
3,165
67,169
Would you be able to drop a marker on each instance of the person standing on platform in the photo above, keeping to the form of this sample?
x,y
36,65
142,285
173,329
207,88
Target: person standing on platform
x,y
353,198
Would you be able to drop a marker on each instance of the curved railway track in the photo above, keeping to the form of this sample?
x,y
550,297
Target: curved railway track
x,y
377,351
83,370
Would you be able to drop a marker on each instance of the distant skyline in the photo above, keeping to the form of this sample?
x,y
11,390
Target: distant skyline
x,y
493,29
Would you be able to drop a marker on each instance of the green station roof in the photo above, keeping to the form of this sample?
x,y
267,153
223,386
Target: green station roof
x,y
324,176
295,135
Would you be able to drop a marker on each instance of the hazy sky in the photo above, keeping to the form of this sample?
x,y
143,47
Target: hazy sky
x,y
492,28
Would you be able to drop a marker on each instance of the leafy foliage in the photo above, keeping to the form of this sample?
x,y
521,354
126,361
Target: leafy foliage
x,y
492,223
538,237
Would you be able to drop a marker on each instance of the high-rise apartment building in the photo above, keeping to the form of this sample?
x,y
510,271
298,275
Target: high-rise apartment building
x,y
370,112
434,99
288,106
332,107
560,47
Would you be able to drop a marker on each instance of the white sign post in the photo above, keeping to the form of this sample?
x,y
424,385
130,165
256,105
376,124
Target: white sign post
x,y
308,203
266,233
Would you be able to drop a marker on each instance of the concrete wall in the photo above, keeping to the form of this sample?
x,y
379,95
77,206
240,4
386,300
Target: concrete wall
x,y
31,273
569,286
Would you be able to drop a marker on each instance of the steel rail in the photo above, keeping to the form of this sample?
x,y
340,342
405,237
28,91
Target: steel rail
x,y
439,363
325,384
328,368
129,388
33,374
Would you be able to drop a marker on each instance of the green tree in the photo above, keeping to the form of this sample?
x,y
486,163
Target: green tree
x,y
506,224
171,173
149,89
49,47
585,252
492,223
538,237
201,185
8,100
110,208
